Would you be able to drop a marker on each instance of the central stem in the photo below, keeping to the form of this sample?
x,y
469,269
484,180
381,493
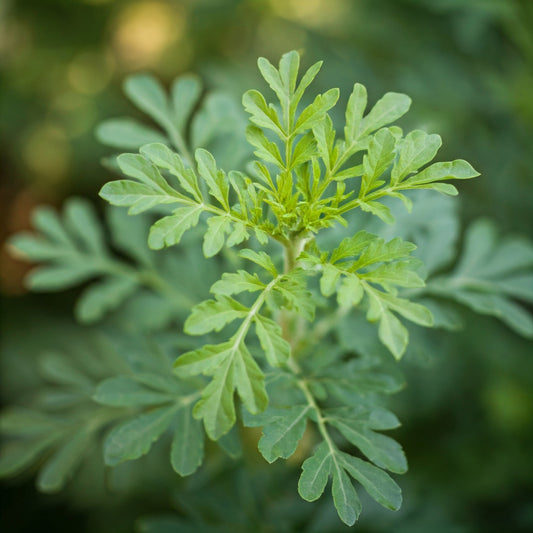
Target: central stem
x,y
292,250
293,327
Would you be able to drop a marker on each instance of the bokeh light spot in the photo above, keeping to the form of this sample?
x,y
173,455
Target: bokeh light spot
x,y
144,31
90,72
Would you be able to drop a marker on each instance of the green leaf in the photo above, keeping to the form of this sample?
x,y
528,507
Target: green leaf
x,y
138,167
214,315
235,283
352,246
414,312
232,367
231,443
138,196
381,450
329,279
169,230
261,259
379,250
375,481
345,498
204,360
58,368
104,296
378,158
237,234
388,109
293,287
250,381
289,65
82,223
216,407
266,150
417,149
23,422
393,334
45,220
378,209
273,78
185,93
350,292
316,112
324,136
262,115
457,170
123,391
315,473
30,247
148,95
127,134
354,112
276,348
18,455
56,471
400,273
215,179
134,439
215,236
306,80
165,158
56,278
281,437
187,451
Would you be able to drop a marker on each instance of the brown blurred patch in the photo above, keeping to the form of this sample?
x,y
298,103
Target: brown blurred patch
x,y
16,207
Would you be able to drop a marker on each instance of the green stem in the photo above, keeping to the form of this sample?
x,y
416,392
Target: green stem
x,y
320,419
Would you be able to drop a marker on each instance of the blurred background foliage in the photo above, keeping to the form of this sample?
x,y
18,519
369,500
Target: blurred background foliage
x,y
467,64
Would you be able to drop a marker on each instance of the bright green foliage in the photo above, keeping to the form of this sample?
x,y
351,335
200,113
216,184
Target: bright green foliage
x,y
352,278
296,266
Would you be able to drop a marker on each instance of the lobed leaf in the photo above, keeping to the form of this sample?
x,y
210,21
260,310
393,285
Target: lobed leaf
x,y
148,95
276,348
315,473
185,94
214,315
281,436
169,230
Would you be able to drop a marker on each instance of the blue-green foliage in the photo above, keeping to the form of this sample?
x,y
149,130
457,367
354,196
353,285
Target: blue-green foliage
x,y
296,263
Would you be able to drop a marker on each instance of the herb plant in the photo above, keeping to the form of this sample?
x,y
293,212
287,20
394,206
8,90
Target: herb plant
x,y
290,264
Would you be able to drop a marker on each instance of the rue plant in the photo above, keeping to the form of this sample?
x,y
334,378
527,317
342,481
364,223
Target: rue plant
x,y
256,330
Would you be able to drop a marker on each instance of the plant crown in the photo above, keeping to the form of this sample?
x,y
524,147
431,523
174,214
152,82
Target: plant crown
x,y
291,269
